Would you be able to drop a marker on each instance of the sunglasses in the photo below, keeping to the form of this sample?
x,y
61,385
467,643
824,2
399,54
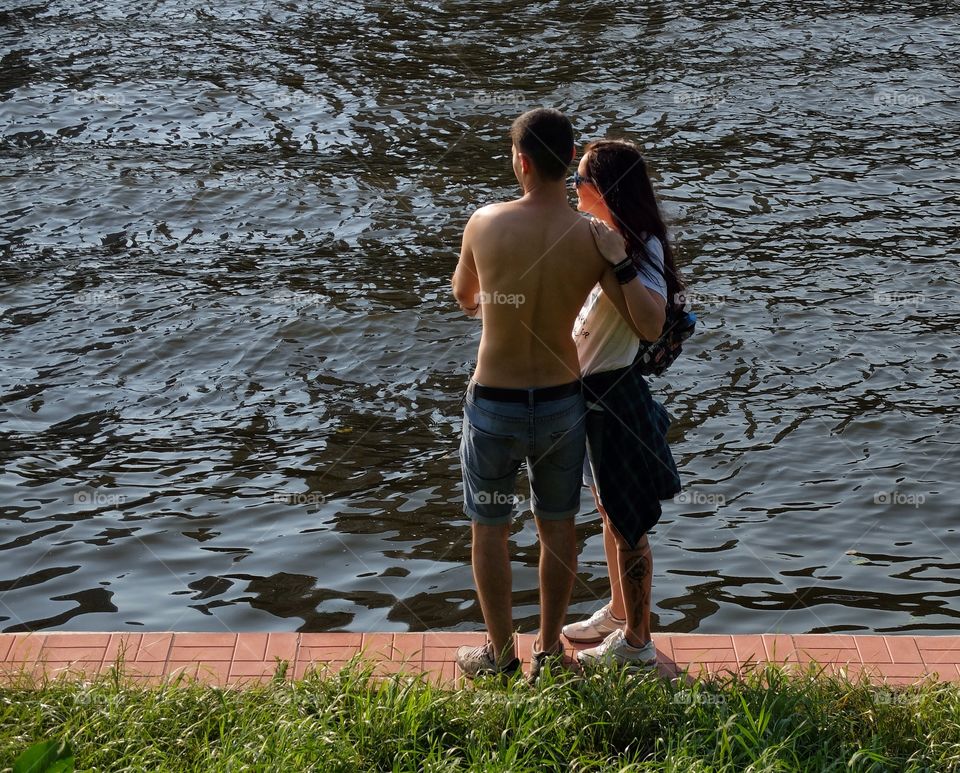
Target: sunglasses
x,y
578,179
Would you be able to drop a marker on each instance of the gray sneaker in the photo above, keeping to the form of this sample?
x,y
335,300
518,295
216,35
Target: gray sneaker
x,y
595,628
479,661
545,660
614,651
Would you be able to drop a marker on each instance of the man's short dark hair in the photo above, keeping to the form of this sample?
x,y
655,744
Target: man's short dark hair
x,y
545,135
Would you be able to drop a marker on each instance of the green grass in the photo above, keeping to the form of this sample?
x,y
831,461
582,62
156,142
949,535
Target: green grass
x,y
351,721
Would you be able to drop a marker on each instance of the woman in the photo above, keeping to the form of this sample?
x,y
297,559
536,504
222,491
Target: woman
x,y
629,467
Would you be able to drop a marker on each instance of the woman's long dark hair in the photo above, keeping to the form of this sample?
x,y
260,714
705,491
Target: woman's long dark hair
x,y
619,170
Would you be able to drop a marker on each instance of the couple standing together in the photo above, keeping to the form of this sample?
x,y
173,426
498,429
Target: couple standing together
x,y
570,405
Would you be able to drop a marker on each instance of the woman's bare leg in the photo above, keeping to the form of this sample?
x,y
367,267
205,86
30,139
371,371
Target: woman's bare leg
x,y
613,561
637,582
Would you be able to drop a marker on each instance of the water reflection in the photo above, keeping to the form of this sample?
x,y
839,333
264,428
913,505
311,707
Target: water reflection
x,y
231,371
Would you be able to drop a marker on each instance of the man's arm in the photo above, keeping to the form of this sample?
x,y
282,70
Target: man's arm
x,y
465,281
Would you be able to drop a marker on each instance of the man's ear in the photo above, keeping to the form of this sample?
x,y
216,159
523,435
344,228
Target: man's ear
x,y
524,163
573,153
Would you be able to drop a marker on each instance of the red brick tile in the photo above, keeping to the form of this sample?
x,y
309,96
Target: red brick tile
x,y
331,640
696,671
523,647
251,646
213,673
449,673
283,646
64,639
940,657
26,647
454,639
779,647
705,655
326,654
302,668
377,645
71,669
187,668
211,654
873,649
138,668
252,668
204,640
67,654
122,645
409,647
664,644
938,642
723,669
749,648
821,655
903,649
154,647
147,680
439,654
825,641
854,672
686,641
898,673
247,680
79,639
394,667
946,675
6,642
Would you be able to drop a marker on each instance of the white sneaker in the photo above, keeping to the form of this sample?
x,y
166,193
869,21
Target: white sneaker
x,y
595,628
616,652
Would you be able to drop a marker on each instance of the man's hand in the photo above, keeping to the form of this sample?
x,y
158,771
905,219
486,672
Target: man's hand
x,y
609,242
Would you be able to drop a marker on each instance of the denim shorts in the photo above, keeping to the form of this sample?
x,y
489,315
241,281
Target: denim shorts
x,y
594,425
499,435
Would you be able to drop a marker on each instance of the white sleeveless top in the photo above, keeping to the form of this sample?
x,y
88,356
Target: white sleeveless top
x,y
604,339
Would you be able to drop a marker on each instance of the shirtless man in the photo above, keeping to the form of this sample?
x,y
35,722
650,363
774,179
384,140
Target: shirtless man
x,y
526,267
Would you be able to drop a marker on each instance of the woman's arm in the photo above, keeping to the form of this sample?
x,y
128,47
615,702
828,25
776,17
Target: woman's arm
x,y
642,308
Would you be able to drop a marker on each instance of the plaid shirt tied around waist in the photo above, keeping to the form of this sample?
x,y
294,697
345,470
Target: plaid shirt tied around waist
x,y
633,467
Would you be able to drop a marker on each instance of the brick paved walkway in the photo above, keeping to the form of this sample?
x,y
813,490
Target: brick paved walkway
x,y
228,658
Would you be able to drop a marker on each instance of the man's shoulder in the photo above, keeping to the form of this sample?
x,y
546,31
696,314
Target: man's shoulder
x,y
494,211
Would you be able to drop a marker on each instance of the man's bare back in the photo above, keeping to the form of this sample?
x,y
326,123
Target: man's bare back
x,y
534,261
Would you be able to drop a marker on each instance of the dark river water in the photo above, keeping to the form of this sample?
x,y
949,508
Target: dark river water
x,y
231,367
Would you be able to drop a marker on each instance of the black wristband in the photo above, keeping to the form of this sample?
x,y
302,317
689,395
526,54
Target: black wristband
x,y
625,271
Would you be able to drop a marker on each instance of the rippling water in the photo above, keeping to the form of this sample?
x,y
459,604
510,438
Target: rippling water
x,y
231,366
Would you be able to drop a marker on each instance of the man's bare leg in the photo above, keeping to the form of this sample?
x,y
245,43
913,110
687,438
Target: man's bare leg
x,y
491,573
637,579
558,567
